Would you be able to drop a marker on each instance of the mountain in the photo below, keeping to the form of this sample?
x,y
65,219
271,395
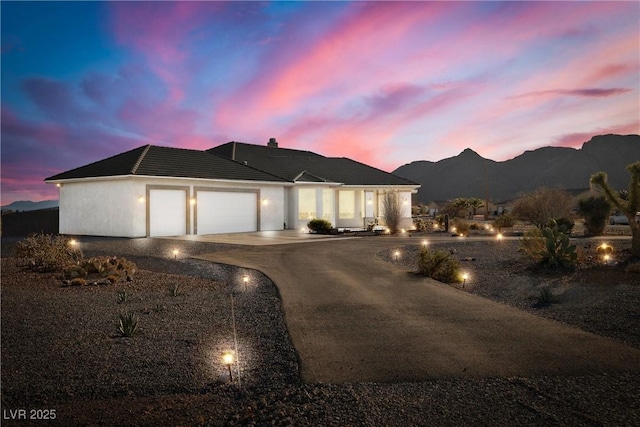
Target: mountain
x,y
470,175
27,205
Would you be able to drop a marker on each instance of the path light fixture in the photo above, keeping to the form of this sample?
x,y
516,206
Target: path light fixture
x,y
396,254
245,280
425,243
73,242
175,253
465,276
607,257
499,237
436,226
227,359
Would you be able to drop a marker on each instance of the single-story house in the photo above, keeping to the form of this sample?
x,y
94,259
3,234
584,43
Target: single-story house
x,y
235,187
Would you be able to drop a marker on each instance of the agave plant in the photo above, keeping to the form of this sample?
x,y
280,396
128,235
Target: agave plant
x,y
123,296
128,324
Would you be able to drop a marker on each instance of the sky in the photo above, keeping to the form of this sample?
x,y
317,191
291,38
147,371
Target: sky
x,y
384,83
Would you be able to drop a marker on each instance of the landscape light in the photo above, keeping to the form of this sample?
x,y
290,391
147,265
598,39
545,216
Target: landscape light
x,y
396,254
245,280
175,253
73,242
425,243
453,229
465,276
227,359
499,236
436,226
403,231
606,259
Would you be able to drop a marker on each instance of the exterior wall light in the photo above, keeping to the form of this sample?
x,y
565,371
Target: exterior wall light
x,y
58,185
192,201
265,202
140,199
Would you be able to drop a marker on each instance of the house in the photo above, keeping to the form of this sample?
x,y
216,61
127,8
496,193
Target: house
x,y
235,187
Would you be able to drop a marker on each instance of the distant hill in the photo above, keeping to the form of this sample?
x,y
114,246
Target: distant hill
x,y
557,167
27,205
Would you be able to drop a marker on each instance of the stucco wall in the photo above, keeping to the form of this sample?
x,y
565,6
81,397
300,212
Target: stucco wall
x,y
117,207
102,208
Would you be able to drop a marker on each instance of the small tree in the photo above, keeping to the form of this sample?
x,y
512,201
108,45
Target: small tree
x,y
543,205
595,211
391,211
628,207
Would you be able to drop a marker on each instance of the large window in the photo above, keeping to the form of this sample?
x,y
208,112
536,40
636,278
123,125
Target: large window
x,y
327,204
306,203
347,204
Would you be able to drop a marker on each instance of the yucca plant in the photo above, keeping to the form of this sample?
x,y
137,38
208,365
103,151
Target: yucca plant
x,y
128,324
123,296
545,296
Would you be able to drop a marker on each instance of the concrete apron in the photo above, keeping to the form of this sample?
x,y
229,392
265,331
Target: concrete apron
x,y
355,318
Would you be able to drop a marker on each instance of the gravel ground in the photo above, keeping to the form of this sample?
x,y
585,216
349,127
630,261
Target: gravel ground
x,y
60,350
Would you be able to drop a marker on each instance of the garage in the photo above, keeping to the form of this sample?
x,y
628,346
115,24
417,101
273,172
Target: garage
x,y
226,211
168,212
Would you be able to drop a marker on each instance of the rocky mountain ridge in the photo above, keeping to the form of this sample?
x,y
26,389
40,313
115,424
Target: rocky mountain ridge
x,y
470,175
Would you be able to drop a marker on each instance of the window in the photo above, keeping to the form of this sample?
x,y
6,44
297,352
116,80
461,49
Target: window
x,y
306,203
347,204
327,204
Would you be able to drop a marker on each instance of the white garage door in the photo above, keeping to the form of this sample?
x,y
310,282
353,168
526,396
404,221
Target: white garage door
x,y
227,212
167,212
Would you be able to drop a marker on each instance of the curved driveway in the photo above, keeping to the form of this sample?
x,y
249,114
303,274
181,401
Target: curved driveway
x,y
355,318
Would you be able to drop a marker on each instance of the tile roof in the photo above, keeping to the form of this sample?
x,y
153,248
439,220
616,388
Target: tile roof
x,y
292,164
153,160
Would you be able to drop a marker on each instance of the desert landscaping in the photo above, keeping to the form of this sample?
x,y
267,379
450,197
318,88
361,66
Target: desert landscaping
x,y
61,350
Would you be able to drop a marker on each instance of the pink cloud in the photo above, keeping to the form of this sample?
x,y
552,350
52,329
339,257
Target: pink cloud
x,y
575,140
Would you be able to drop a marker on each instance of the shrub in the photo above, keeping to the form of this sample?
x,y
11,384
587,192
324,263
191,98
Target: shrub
x,y
78,281
123,296
503,221
545,296
542,205
420,224
438,264
461,227
128,324
391,211
595,211
44,252
532,244
114,269
320,226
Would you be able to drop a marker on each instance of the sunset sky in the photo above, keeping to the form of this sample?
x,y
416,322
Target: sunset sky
x,y
384,83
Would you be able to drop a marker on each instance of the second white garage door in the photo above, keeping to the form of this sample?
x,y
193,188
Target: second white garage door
x,y
227,212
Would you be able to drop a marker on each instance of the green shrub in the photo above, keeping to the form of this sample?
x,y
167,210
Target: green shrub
x,y
128,324
475,226
44,252
532,244
439,265
503,221
320,226
595,211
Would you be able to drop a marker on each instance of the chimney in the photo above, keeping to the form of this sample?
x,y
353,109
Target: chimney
x,y
272,143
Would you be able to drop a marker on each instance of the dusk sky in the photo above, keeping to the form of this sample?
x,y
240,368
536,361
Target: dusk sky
x,y
384,83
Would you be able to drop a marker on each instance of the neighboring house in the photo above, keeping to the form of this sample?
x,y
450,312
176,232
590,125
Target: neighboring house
x,y
235,187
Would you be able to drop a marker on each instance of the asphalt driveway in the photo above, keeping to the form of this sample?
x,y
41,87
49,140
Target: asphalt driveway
x,y
355,318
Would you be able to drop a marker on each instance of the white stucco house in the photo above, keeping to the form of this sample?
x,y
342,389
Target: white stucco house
x,y
234,187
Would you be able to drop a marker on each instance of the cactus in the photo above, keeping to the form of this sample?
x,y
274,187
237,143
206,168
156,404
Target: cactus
x,y
558,250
